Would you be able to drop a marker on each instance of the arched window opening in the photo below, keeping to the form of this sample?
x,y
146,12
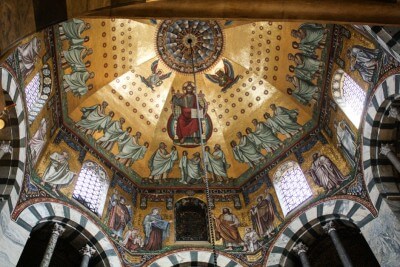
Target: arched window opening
x,y
191,220
291,186
32,92
91,188
349,96
37,92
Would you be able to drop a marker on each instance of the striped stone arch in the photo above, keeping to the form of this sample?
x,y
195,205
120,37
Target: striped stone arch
x,y
378,129
43,212
302,228
198,257
10,183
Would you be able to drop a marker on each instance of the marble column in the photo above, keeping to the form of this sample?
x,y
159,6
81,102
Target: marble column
x,y
57,231
385,150
301,250
87,252
331,230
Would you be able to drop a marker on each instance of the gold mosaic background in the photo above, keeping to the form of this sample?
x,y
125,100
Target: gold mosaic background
x,y
124,49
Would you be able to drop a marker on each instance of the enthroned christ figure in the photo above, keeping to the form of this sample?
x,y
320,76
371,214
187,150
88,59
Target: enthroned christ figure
x,y
186,114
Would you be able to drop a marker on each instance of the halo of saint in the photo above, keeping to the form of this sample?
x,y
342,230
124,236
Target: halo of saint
x,y
184,124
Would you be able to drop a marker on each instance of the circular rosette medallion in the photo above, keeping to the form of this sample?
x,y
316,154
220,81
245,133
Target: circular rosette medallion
x,y
176,37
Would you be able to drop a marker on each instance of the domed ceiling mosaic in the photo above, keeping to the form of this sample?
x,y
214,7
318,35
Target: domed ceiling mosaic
x,y
129,94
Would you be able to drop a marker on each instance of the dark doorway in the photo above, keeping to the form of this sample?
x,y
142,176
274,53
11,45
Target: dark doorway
x,y
191,220
65,254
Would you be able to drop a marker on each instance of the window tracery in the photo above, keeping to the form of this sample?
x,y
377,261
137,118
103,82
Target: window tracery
x,y
291,186
37,92
349,96
91,187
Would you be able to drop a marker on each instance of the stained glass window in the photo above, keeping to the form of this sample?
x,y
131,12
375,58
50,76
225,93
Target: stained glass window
x,y
349,96
37,92
91,188
32,92
291,186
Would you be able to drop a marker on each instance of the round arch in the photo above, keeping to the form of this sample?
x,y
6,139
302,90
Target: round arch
x,y
195,256
19,133
344,209
375,127
39,213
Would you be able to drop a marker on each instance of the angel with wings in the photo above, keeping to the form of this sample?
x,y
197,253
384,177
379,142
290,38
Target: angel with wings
x,y
224,78
156,77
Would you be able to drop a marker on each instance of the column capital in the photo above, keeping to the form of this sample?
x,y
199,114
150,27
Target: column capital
x,y
329,227
394,113
300,247
87,251
58,229
385,149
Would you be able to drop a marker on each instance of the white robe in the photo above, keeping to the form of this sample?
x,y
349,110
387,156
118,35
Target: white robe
x,y
38,141
57,172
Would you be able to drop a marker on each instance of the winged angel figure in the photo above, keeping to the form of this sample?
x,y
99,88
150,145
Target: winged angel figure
x,y
224,78
156,77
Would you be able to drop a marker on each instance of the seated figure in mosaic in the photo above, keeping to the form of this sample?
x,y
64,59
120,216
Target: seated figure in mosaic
x,y
132,239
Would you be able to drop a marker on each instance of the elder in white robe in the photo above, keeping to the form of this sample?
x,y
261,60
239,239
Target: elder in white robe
x,y
38,141
183,167
265,136
94,118
246,151
286,119
304,91
75,57
194,169
76,82
274,126
161,163
112,133
217,164
57,172
27,56
73,30
129,148
312,34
